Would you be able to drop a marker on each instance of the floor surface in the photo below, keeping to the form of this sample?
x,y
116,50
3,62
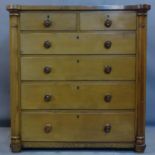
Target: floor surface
x,y
5,150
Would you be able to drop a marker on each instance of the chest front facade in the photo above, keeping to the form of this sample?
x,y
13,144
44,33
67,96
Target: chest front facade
x,y
78,76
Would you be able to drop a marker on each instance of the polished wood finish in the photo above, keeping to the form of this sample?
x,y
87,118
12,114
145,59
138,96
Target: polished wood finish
x,y
78,95
79,43
78,127
78,76
15,82
108,20
141,81
78,68
59,21
75,145
140,8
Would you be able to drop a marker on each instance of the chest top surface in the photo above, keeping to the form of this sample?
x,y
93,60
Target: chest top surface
x,y
140,7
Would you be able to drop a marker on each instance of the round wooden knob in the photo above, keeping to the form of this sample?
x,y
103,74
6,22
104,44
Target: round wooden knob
x,y
108,44
47,70
107,128
108,23
47,23
107,98
47,44
47,98
48,128
107,69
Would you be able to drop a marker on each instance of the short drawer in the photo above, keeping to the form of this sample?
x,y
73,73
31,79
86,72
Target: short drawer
x,y
78,127
48,21
78,95
108,20
78,67
79,43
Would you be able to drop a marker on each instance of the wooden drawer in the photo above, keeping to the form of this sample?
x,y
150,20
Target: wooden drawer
x,y
78,95
48,21
108,20
92,127
79,43
78,67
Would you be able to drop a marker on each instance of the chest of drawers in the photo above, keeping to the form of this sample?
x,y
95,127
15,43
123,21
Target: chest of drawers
x,y
78,76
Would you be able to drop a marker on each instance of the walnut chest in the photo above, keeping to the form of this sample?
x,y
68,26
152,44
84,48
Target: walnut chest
x,y
78,76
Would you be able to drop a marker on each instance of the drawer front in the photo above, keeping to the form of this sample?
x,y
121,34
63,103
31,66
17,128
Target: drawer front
x,y
78,68
48,21
114,20
79,43
115,127
78,95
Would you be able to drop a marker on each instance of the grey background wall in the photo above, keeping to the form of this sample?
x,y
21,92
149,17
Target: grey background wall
x,y
4,50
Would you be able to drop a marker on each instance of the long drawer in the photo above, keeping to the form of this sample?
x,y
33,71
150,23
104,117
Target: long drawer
x,y
48,20
108,20
78,127
78,95
78,67
113,42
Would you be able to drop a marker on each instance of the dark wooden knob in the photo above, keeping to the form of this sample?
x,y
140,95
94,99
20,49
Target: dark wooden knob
x,y
47,23
47,70
108,44
47,44
107,128
108,23
47,98
107,69
48,128
107,98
